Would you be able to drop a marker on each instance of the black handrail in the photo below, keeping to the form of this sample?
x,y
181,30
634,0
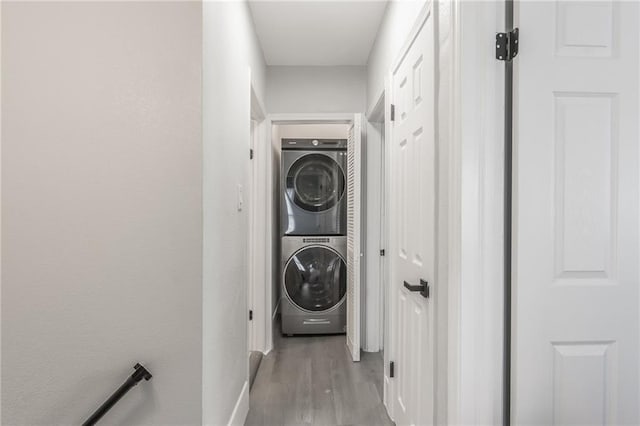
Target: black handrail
x,y
139,374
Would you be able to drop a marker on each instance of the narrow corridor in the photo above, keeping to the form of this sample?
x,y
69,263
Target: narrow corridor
x,y
313,381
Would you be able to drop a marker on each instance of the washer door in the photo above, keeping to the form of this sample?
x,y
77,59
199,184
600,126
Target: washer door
x,y
315,279
315,182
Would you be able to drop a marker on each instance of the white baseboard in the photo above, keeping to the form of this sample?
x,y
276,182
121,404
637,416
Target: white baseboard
x,y
240,411
386,397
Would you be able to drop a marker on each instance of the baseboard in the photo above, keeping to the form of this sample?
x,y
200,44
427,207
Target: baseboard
x,y
386,396
240,411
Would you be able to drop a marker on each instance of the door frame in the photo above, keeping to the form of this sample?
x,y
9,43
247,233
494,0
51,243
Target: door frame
x,y
251,235
256,266
469,298
267,186
375,332
476,256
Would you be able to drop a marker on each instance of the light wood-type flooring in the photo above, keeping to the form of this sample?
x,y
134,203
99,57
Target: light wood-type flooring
x,y
312,381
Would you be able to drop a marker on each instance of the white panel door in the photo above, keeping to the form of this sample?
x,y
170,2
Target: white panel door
x,y
576,299
412,229
354,235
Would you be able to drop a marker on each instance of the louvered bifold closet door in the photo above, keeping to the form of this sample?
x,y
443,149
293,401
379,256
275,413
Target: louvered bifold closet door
x,y
354,224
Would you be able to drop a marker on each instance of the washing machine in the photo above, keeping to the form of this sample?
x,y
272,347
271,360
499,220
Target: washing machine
x,y
314,285
313,182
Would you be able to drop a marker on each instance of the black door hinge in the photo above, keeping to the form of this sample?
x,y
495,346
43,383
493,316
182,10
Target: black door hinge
x,y
382,252
250,315
251,154
507,45
392,369
393,112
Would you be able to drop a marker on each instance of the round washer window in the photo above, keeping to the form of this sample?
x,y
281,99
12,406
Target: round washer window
x,y
315,182
316,279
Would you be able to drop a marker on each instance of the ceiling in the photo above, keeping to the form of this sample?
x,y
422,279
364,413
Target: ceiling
x,y
316,32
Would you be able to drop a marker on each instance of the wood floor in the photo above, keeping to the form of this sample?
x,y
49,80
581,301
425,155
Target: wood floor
x,y
312,381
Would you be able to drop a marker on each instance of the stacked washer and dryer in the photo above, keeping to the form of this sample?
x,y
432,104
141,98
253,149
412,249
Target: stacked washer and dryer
x,y
313,230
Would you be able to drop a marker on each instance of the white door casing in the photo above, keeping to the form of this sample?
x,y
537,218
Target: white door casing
x,y
258,251
412,220
576,298
252,253
354,235
269,156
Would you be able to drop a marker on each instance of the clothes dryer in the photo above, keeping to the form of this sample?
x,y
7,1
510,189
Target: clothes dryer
x,y
313,185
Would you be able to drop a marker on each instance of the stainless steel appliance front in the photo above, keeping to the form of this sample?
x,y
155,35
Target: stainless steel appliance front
x,y
313,187
314,280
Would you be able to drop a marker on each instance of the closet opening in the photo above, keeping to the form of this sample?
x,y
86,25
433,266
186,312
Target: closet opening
x,y
323,205
325,300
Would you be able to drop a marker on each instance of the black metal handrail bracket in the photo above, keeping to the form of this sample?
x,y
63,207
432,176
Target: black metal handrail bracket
x,y
139,374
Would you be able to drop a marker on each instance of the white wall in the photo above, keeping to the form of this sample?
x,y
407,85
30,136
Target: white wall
x,y
231,55
324,131
394,29
316,89
101,210
446,124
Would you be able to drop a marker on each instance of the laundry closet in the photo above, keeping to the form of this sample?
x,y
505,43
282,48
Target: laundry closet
x,y
317,178
313,228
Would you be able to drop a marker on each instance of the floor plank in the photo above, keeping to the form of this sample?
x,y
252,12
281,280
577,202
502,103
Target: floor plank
x,y
311,380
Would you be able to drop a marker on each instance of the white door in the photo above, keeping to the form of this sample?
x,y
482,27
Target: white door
x,y
576,318
354,235
412,230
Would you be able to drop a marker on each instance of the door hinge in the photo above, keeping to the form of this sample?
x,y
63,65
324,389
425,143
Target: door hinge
x,y
382,252
250,315
392,369
507,45
393,112
251,154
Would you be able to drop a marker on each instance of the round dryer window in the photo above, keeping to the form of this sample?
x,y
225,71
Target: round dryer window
x,y
315,278
315,182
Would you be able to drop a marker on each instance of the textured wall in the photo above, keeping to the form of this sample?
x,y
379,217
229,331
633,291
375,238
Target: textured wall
x,y
316,89
101,210
232,59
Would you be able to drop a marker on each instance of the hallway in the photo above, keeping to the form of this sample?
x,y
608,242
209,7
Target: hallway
x,y
440,200
312,381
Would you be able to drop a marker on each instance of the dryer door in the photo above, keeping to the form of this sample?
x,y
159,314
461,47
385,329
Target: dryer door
x,y
315,182
315,279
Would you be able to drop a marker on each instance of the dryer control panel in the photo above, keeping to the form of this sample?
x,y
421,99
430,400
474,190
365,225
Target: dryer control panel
x,y
310,144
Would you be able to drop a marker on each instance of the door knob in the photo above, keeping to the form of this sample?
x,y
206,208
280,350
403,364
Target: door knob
x,y
423,288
